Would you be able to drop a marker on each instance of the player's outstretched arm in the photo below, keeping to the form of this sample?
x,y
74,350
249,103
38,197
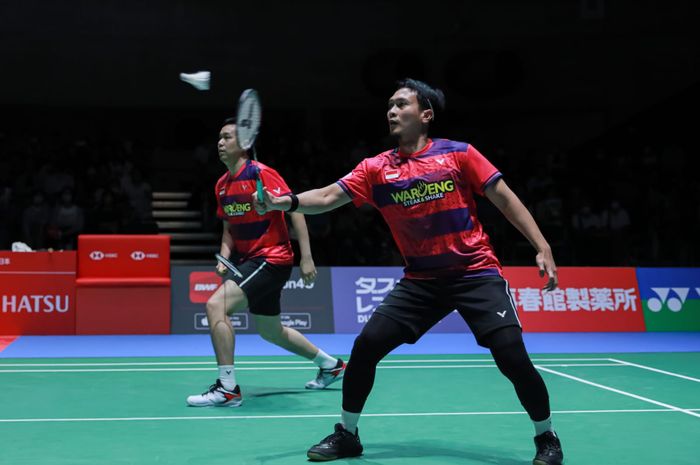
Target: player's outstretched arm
x,y
513,209
311,202
306,261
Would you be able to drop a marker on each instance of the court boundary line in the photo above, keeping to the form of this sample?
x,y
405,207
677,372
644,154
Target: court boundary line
x,y
290,362
327,415
310,367
656,370
619,391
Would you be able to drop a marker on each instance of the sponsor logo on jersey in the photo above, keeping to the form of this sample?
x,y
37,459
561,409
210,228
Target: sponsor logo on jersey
x,y
237,209
422,191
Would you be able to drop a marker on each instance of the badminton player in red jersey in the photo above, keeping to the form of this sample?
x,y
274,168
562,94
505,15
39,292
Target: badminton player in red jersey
x,y
265,259
424,189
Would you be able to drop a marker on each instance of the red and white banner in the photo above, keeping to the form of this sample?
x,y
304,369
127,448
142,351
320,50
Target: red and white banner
x,y
587,300
119,256
123,284
37,293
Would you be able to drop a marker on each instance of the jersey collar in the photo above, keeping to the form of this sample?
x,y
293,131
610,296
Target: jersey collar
x,y
405,156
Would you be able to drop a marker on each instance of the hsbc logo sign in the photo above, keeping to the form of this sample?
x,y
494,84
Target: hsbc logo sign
x,y
138,255
98,255
203,284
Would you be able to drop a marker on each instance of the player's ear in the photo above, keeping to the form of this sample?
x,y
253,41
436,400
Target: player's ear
x,y
427,116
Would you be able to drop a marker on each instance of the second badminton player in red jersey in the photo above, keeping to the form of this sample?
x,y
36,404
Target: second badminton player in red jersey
x,y
263,254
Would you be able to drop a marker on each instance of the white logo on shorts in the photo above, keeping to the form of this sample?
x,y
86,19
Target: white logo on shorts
x,y
502,314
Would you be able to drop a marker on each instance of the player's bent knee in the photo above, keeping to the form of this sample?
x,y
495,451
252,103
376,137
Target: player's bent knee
x,y
365,347
504,337
215,309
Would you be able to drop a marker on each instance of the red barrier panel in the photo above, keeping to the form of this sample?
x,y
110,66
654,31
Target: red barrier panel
x,y
121,256
37,293
588,299
123,284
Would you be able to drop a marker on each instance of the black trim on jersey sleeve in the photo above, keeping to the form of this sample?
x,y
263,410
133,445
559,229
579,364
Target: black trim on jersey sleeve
x,y
494,177
345,188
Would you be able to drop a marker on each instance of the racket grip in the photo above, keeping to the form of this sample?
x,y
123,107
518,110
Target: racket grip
x,y
260,190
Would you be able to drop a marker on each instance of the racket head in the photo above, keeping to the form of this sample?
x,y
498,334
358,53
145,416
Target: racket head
x,y
227,263
248,118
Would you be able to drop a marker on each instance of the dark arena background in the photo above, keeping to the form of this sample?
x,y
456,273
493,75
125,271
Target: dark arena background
x,y
108,226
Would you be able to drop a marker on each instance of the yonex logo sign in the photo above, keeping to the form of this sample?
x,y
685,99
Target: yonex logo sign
x,y
672,297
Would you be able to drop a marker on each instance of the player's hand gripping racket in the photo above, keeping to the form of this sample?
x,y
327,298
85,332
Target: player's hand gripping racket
x,y
247,126
227,263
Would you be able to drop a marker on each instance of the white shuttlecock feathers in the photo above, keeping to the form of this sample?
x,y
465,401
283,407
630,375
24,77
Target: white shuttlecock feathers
x,y
199,80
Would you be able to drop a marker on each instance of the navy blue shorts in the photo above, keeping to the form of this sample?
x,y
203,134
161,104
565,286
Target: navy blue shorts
x,y
262,284
484,303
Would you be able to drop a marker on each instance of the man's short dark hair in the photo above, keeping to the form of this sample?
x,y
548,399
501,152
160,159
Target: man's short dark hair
x,y
429,98
227,121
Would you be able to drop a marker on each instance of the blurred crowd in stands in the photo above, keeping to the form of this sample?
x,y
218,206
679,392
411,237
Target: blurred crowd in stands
x,y
51,190
623,203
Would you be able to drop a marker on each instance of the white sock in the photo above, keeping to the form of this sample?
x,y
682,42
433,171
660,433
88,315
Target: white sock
x,y
227,377
349,420
543,426
323,360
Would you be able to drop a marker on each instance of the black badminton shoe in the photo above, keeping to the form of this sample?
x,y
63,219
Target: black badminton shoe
x,y
548,449
342,443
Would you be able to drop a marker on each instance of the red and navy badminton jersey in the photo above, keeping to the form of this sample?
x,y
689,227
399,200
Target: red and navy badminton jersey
x,y
254,236
427,199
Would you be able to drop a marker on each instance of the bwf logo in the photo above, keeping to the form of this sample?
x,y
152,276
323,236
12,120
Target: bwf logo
x,y
672,297
137,255
202,285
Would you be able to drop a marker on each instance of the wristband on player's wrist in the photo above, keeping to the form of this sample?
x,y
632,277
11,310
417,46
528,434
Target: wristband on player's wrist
x,y
295,202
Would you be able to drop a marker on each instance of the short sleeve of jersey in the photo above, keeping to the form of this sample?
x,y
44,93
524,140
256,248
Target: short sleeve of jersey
x,y
274,183
478,171
356,184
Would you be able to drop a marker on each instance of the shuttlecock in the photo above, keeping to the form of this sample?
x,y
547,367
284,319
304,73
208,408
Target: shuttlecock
x,y
21,247
199,80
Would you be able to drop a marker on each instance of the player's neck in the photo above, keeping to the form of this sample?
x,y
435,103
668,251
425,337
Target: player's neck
x,y
236,165
413,145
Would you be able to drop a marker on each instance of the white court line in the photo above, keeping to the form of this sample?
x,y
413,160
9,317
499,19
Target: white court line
x,y
644,367
310,367
618,391
285,362
334,415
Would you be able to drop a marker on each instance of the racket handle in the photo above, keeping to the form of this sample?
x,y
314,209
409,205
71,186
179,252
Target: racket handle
x,y
260,190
